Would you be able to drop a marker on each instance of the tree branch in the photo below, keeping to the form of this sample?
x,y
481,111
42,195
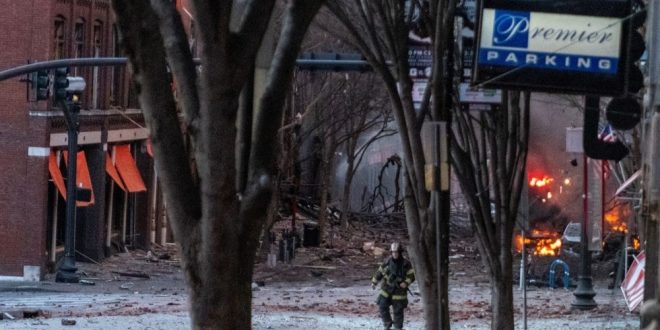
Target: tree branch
x,y
263,157
180,62
144,46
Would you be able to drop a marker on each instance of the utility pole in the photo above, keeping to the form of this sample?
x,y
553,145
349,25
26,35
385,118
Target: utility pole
x,y
651,157
441,112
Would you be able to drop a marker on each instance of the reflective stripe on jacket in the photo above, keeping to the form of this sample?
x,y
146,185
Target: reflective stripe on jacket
x,y
392,273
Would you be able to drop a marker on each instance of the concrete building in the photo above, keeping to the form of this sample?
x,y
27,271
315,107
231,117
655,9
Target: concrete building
x,y
113,158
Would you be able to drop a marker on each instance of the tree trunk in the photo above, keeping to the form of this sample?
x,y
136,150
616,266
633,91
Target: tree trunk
x,y
226,303
326,175
502,295
271,217
216,225
346,195
422,251
323,205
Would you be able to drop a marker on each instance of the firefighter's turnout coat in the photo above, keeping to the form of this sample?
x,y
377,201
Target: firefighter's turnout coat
x,y
393,272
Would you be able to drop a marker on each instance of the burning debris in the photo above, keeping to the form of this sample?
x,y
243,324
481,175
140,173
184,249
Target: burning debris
x,y
616,217
539,183
540,243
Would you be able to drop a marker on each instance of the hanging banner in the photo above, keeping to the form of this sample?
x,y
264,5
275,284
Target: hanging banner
x,y
573,46
595,204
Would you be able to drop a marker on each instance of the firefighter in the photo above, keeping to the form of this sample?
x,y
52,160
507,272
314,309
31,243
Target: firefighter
x,y
396,274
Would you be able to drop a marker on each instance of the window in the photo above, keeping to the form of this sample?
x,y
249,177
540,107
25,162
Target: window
x,y
79,38
116,77
98,38
59,38
97,35
78,42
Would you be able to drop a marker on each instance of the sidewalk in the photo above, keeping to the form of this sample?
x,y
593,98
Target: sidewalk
x,y
287,306
291,321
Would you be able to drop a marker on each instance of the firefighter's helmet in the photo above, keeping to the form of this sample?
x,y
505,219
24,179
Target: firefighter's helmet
x,y
396,247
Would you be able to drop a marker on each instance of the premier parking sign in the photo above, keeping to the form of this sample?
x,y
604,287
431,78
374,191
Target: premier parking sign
x,y
556,47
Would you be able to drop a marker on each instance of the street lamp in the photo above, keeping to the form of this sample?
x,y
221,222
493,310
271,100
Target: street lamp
x,y
67,93
584,293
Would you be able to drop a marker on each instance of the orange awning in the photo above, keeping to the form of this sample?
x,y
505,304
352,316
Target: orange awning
x,y
55,174
112,171
128,169
83,179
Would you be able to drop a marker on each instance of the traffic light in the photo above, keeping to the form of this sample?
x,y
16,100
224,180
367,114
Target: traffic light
x,y
60,83
40,83
625,112
594,147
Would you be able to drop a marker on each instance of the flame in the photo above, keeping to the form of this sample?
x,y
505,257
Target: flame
x,y
616,218
538,183
542,243
635,243
547,247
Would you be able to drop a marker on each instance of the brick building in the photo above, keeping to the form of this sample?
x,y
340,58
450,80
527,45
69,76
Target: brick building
x,y
113,158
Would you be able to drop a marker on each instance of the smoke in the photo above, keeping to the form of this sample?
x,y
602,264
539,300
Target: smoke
x,y
550,116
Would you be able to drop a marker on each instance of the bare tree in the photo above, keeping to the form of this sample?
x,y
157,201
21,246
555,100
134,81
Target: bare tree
x,y
379,29
317,95
346,112
488,155
217,205
366,122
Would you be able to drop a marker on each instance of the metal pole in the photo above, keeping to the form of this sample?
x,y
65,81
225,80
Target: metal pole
x,y
584,293
154,209
437,217
651,163
124,218
440,203
328,65
67,271
53,237
111,198
163,223
523,278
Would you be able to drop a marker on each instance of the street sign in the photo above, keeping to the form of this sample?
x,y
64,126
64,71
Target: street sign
x,y
573,46
574,139
467,94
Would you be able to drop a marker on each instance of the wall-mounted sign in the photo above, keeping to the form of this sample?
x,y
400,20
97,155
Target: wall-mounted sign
x,y
575,46
467,94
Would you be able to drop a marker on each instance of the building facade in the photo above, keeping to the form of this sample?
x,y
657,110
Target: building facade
x,y
114,154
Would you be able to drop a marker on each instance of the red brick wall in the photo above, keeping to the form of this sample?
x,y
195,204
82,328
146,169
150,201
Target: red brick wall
x,y
28,30
26,33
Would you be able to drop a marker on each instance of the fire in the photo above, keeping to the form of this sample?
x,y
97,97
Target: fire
x,y
542,243
547,247
539,183
635,243
616,218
